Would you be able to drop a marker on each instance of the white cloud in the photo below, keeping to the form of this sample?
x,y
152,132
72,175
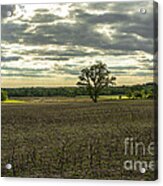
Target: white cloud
x,y
64,38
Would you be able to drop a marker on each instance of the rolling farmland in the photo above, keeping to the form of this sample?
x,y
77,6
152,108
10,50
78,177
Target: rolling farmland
x,y
76,139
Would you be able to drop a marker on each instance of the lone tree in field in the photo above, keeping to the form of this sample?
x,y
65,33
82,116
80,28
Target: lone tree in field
x,y
95,79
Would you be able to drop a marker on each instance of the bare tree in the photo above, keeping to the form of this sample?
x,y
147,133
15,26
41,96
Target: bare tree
x,y
95,79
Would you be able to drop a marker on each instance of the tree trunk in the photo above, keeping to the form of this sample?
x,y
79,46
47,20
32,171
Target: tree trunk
x,y
94,99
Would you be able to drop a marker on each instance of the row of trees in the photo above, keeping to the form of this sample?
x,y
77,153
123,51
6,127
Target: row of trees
x,y
129,91
93,81
4,95
143,94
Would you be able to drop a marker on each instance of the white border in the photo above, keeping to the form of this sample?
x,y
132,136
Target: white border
x,y
69,182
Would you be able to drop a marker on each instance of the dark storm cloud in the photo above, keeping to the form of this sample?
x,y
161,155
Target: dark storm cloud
x,y
144,74
128,6
99,6
84,34
39,52
131,43
67,69
68,34
59,55
149,64
136,24
125,6
23,72
104,18
23,75
77,53
70,65
118,30
119,72
52,58
11,58
118,17
152,68
43,18
23,69
66,54
72,71
124,68
42,10
7,10
146,61
144,30
120,52
36,52
130,33
12,32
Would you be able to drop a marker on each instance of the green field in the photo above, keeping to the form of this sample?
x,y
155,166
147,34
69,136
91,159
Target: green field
x,y
60,99
13,101
67,138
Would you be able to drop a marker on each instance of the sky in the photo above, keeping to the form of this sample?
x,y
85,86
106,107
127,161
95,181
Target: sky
x,y
49,44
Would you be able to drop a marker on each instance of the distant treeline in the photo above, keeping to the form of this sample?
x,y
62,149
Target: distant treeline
x,y
148,89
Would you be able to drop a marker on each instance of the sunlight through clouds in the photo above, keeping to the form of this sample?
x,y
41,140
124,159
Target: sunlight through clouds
x,y
42,41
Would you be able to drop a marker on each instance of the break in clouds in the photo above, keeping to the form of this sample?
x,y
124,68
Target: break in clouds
x,y
49,44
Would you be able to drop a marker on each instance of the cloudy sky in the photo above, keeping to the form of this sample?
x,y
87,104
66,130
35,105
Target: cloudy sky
x,y
48,44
